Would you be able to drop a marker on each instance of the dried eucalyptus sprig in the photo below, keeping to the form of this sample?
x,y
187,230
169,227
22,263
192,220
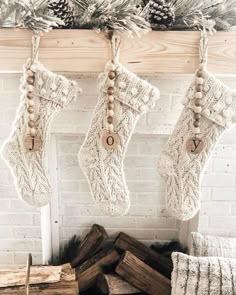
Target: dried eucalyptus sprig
x,y
105,15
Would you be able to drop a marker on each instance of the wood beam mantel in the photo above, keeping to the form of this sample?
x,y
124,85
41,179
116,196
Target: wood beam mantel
x,y
85,51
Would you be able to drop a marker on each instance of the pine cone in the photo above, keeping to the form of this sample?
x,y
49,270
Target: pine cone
x,y
64,10
161,14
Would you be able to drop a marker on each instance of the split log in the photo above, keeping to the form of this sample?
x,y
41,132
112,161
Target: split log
x,y
143,276
91,244
88,272
44,280
157,261
112,284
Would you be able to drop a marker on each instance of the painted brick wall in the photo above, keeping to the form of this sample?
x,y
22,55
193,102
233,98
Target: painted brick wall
x,y
147,219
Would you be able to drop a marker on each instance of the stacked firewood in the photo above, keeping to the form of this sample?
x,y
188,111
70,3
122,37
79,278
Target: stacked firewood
x,y
98,266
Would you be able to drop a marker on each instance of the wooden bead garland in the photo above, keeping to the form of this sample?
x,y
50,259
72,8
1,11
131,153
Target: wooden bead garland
x,y
31,143
110,139
195,145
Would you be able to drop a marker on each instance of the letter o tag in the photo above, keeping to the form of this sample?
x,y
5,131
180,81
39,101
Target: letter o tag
x,y
194,146
110,140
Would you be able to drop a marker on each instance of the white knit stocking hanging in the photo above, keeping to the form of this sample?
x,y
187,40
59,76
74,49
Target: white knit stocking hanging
x,y
210,106
103,165
44,99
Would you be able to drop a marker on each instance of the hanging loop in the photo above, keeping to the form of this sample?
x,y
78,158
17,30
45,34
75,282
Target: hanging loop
x,y
35,48
203,48
115,46
29,263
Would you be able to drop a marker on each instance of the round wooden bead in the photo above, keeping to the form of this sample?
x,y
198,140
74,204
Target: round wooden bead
x,y
30,80
112,67
196,124
199,88
110,120
30,73
201,74
30,95
110,113
110,91
198,95
196,130
197,116
32,131
199,80
110,128
31,117
197,109
31,124
112,75
110,106
110,98
111,83
30,103
202,66
30,88
197,102
30,110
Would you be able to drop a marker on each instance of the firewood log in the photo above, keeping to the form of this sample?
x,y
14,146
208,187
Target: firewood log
x,y
44,280
157,261
90,245
112,284
88,272
143,276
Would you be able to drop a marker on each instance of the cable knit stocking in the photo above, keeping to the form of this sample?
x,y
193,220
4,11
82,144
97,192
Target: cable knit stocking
x,y
104,167
182,171
51,93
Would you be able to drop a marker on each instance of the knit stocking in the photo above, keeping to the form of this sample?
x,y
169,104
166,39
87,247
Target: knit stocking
x,y
102,166
51,93
182,170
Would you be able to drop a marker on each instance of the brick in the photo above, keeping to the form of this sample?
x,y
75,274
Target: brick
x,y
68,147
5,232
154,198
75,198
83,210
27,232
215,209
74,186
224,194
156,222
17,245
142,211
223,222
71,173
6,258
212,180
141,162
81,221
225,165
16,219
140,186
166,235
224,151
21,258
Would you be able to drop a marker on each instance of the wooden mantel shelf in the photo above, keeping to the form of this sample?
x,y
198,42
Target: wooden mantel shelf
x,y
84,51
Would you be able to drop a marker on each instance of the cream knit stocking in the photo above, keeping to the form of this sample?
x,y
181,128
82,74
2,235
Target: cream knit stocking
x,y
181,169
51,93
104,167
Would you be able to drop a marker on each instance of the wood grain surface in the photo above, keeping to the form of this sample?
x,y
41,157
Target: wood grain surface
x,y
86,52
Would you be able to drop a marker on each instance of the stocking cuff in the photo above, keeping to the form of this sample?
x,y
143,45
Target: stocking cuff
x,y
54,87
133,91
218,102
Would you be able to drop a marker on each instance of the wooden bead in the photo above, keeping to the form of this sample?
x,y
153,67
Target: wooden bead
x,y
197,109
111,83
30,95
30,80
196,130
197,102
32,131
30,103
198,95
31,124
110,106
110,113
110,91
110,120
110,98
196,124
30,88
30,110
197,116
110,128
199,88
31,117
201,74
199,80
112,67
30,73
202,66
112,75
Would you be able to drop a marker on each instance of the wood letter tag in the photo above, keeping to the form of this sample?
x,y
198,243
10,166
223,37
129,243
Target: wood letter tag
x,y
194,146
32,144
110,140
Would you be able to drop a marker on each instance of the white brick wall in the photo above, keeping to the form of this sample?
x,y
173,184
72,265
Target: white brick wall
x,y
147,219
